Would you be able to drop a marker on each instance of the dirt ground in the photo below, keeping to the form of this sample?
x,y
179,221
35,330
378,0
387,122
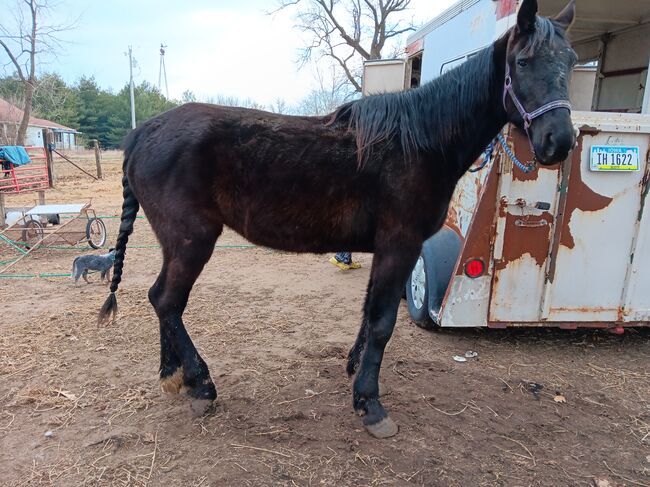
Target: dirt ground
x,y
80,404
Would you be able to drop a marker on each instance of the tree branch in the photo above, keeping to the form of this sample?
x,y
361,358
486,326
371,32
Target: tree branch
x,y
394,33
13,60
364,26
23,46
329,11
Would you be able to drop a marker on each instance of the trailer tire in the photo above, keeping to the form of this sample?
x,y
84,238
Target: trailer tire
x,y
96,233
428,282
417,292
32,233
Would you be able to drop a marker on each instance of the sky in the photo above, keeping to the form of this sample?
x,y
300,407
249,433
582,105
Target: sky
x,y
218,47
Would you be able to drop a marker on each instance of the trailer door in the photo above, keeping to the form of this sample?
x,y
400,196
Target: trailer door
x,y
527,204
572,242
601,252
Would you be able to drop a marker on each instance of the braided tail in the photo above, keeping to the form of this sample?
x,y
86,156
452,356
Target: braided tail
x,y
130,208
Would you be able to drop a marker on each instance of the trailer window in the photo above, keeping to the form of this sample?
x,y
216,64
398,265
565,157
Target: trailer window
x,y
415,70
449,65
622,69
583,81
457,62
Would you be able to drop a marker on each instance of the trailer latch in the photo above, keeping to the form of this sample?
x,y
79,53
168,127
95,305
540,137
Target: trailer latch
x,y
522,203
531,223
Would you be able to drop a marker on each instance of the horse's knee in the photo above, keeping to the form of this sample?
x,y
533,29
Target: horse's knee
x,y
153,295
157,298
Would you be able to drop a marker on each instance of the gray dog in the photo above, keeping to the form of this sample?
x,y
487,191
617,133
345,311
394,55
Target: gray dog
x,y
101,263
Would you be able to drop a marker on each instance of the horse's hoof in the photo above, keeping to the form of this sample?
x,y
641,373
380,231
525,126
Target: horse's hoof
x,y
385,428
202,396
172,384
200,406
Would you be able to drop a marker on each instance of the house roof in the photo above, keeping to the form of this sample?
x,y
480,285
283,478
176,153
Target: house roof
x,y
12,114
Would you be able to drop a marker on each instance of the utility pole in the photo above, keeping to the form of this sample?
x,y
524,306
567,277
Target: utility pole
x,y
131,87
162,71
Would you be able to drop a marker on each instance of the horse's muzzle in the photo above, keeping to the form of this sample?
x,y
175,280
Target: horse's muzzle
x,y
555,146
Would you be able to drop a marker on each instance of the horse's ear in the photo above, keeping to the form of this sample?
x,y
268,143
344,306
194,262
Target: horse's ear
x,y
566,17
526,16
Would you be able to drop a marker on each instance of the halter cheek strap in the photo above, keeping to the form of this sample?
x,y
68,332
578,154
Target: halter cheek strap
x,y
528,117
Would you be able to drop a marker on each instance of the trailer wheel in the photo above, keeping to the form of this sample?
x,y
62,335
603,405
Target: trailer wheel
x,y
96,233
427,284
417,293
32,233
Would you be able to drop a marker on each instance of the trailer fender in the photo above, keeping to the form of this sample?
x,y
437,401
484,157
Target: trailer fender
x,y
427,284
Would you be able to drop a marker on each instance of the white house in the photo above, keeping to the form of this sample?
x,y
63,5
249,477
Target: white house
x,y
10,117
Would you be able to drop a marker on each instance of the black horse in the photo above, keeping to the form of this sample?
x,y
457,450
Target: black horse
x,y
275,180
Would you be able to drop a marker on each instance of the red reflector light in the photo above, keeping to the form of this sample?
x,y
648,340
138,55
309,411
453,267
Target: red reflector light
x,y
474,268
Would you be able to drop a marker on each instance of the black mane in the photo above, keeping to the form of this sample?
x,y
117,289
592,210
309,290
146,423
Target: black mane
x,y
424,118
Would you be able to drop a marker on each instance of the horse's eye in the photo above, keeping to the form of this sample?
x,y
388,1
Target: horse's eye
x,y
522,63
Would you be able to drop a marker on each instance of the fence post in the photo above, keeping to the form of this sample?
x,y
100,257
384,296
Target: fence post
x,y
48,138
98,158
2,211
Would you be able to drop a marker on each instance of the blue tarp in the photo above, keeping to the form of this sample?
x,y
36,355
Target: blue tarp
x,y
15,154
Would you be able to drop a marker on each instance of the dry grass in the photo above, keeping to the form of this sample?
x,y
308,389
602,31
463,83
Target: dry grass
x,y
274,329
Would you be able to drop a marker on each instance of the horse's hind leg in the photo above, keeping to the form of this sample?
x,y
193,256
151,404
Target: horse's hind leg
x,y
171,368
390,269
186,249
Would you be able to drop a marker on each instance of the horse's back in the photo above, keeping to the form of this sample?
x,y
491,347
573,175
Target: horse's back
x,y
285,182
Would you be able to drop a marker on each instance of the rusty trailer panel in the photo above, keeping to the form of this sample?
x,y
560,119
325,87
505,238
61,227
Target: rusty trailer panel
x,y
522,238
467,300
597,237
563,246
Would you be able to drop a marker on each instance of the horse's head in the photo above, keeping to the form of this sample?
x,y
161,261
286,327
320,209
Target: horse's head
x,y
538,71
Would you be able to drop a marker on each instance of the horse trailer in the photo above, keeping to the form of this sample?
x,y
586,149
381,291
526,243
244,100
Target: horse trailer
x,y
566,245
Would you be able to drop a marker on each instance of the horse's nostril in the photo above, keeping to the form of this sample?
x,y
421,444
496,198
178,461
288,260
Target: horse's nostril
x,y
549,140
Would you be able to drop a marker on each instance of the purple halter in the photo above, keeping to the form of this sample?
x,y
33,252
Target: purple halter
x,y
529,116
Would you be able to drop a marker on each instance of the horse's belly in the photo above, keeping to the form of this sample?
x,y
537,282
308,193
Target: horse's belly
x,y
301,227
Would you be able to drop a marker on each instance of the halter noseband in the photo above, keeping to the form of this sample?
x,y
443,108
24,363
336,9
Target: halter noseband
x,y
528,117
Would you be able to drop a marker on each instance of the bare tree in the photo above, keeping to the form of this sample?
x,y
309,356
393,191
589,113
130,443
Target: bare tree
x,y
188,97
332,91
23,41
280,106
349,31
234,101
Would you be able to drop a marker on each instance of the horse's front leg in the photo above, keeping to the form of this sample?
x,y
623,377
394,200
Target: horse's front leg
x,y
390,269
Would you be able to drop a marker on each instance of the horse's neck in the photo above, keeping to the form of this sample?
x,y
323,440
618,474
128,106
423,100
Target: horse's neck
x,y
479,122
479,134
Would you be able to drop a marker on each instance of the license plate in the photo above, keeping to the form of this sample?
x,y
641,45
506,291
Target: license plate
x,y
614,158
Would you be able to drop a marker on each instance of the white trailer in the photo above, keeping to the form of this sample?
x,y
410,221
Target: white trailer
x,y
567,245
